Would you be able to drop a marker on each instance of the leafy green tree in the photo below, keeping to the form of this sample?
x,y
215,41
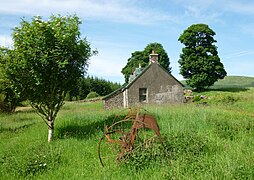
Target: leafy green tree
x,y
50,57
199,61
142,58
9,97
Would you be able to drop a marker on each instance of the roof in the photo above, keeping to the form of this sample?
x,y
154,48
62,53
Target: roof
x,y
119,90
126,86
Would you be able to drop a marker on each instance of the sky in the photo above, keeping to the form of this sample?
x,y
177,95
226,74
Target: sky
x,y
117,28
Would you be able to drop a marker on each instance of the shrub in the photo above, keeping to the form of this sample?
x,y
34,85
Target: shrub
x,y
67,97
92,95
229,99
2,97
196,98
5,106
147,153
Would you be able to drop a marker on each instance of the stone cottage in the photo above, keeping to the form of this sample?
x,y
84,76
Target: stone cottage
x,y
150,85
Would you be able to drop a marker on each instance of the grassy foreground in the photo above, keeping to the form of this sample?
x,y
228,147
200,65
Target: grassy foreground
x,y
213,140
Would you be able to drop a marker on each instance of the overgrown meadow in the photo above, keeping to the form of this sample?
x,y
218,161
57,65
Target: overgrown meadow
x,y
211,138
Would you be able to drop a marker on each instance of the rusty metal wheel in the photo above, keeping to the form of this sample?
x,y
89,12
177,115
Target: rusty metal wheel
x,y
119,140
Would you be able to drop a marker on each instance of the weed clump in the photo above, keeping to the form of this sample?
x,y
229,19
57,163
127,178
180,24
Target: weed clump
x,y
227,99
146,154
39,160
243,172
187,147
197,98
230,129
186,144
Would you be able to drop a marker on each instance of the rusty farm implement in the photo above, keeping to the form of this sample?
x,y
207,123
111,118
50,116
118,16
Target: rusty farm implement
x,y
137,129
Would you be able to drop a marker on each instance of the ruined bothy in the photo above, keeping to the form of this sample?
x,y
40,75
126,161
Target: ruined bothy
x,y
150,85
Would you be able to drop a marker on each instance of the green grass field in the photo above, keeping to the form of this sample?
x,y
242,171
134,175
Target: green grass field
x,y
212,139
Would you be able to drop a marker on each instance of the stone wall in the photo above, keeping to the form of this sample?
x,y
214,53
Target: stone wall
x,y
115,101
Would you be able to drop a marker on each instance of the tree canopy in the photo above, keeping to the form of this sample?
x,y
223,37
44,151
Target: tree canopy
x,y
142,58
199,61
48,59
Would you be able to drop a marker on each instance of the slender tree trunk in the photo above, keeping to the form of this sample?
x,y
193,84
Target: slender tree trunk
x,y
50,130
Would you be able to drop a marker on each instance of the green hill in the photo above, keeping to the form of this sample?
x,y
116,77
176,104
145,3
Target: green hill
x,y
235,81
232,82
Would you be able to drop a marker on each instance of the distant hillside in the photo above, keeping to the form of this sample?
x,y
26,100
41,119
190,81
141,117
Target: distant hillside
x,y
232,82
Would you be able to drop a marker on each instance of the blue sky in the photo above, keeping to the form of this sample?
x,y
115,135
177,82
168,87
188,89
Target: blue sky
x,y
119,27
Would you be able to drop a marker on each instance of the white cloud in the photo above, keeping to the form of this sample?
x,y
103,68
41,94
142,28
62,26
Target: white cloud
x,y
214,10
6,41
130,11
243,7
107,66
203,15
200,10
111,10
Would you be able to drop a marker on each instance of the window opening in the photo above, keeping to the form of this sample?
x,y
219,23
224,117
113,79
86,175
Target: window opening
x,y
142,94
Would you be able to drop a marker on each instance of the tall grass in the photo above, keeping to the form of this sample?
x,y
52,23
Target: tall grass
x,y
212,141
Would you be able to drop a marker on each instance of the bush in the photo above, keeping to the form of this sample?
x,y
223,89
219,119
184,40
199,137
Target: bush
x,y
196,98
5,106
67,97
147,153
92,95
229,99
226,99
2,97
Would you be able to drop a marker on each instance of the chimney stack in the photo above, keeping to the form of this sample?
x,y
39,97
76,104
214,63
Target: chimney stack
x,y
153,58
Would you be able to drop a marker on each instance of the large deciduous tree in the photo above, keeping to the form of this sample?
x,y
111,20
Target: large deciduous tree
x,y
142,58
50,57
199,61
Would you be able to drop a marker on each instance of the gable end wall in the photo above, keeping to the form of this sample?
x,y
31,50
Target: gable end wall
x,y
162,88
